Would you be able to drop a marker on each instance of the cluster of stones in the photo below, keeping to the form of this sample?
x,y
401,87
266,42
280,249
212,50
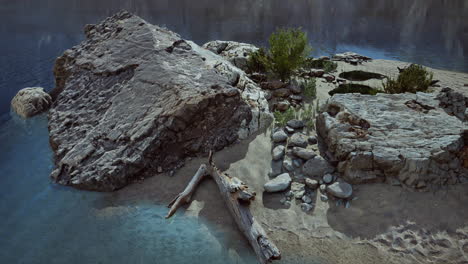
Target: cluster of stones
x,y
299,171
282,95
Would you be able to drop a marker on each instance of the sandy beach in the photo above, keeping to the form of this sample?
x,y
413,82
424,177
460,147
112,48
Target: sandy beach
x,y
384,224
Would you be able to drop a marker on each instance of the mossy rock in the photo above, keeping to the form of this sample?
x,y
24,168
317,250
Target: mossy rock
x,y
353,88
361,76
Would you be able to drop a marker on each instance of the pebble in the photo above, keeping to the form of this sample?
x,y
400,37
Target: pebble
x,y
278,184
306,207
298,140
288,164
342,190
289,129
323,188
296,124
312,184
279,136
303,153
297,163
323,197
306,199
328,178
278,152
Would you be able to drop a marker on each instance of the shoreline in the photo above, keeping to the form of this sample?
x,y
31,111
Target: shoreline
x,y
383,225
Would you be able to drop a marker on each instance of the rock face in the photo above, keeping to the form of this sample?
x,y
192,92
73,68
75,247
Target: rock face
x,y
236,52
407,137
31,101
134,97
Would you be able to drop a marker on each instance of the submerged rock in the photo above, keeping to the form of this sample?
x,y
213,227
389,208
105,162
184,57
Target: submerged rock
x,y
404,136
133,97
31,101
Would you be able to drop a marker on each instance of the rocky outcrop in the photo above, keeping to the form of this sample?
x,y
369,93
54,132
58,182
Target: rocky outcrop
x,y
31,101
134,98
236,52
407,138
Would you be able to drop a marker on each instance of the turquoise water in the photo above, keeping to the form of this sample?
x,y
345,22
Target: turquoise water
x,y
45,223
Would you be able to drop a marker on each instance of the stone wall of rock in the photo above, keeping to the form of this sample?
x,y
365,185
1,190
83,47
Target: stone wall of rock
x,y
402,139
134,99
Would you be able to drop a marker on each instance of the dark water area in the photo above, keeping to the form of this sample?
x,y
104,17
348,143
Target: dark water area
x,y
41,222
430,32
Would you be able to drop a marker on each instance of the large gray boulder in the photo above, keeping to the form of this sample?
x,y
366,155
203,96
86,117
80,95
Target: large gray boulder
x,y
407,137
133,97
31,101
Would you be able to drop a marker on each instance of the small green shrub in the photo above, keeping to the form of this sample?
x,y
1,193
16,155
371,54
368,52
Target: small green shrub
x,y
308,116
325,65
310,88
413,79
281,118
289,49
329,66
353,88
257,61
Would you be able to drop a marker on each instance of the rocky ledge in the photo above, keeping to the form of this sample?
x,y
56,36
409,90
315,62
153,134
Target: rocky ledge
x,y
410,139
134,99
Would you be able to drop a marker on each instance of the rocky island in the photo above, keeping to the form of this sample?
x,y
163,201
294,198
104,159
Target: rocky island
x,y
136,100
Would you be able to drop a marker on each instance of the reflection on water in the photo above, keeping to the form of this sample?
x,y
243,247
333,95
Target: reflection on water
x,y
430,32
44,223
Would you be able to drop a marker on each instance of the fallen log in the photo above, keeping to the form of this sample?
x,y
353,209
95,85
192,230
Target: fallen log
x,y
237,197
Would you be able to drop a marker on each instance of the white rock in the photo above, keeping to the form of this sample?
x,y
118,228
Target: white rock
x,y
342,190
278,184
31,101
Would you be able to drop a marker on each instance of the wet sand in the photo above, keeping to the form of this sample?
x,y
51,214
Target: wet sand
x,y
385,224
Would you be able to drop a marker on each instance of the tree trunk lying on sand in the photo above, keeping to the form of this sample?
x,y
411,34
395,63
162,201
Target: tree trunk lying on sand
x,y
237,197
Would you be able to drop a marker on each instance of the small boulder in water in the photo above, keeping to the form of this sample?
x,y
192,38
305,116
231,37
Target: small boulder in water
x,y
31,101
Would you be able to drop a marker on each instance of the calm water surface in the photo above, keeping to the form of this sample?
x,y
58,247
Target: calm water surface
x,y
44,223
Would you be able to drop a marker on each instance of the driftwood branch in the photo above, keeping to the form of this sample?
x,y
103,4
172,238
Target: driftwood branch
x,y
237,197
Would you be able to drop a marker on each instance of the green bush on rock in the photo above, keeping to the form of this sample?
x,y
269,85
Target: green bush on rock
x,y
281,118
257,61
289,49
310,88
414,78
326,65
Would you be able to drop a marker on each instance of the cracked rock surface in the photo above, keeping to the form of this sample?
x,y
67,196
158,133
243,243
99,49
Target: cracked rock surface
x,y
409,138
134,97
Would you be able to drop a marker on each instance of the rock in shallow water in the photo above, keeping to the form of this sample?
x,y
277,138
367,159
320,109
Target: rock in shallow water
x,y
278,184
31,101
133,97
